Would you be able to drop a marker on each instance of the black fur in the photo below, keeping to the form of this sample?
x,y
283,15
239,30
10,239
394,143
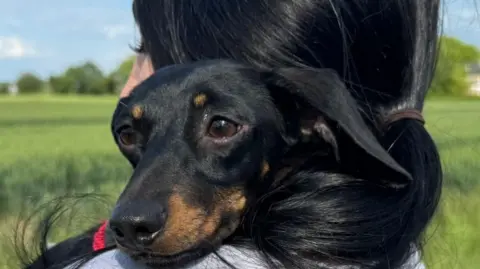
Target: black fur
x,y
371,207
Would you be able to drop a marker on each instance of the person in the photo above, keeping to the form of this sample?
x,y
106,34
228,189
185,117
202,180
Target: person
x,y
236,258
384,51
142,68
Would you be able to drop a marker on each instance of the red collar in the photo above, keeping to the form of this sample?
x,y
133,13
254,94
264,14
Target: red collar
x,y
99,237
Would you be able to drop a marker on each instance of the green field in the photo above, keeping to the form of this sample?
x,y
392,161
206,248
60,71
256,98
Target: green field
x,y
51,144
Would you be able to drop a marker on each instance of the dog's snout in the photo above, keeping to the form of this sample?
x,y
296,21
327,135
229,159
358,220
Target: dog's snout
x,y
138,223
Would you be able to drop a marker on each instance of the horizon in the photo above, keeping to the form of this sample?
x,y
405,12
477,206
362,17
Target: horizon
x,y
103,31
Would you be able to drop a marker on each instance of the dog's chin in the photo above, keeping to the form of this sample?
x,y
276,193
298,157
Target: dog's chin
x,y
185,257
176,261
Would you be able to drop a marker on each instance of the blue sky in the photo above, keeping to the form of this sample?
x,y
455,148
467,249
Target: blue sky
x,y
45,37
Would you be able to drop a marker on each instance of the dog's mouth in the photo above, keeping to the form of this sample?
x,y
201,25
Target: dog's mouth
x,y
188,232
179,259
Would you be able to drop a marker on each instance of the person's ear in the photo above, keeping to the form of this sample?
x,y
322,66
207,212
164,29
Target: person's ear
x,y
142,69
316,104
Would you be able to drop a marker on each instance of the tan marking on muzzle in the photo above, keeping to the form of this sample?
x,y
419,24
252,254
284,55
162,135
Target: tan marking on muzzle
x,y
200,100
187,225
182,229
232,200
211,222
137,112
237,201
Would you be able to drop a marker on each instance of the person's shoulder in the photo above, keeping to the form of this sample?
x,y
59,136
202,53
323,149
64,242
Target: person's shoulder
x,y
238,257
110,260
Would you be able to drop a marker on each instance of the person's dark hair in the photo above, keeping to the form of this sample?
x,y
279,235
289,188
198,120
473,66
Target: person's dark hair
x,y
385,53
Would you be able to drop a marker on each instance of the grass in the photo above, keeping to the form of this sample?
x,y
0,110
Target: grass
x,y
52,144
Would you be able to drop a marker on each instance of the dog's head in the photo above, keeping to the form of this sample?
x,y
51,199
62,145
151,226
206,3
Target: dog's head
x,y
201,136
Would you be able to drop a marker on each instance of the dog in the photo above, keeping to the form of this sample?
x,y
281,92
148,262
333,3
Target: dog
x,y
224,153
331,182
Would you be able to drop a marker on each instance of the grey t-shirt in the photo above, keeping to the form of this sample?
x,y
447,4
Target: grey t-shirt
x,y
240,258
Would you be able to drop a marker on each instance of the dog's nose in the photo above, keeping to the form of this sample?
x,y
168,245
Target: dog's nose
x,y
138,223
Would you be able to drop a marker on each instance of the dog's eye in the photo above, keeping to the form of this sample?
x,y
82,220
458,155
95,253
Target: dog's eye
x,y
222,128
128,137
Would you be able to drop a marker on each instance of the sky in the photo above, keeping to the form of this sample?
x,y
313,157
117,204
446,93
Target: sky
x,y
45,37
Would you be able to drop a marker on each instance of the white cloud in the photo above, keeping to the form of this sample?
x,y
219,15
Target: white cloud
x,y
14,47
113,31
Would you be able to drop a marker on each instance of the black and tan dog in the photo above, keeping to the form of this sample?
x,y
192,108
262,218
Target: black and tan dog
x,y
227,154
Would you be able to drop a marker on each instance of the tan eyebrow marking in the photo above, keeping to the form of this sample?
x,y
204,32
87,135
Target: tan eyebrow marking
x,y
137,112
200,100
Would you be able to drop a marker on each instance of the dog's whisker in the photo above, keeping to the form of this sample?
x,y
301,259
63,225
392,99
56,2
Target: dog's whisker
x,y
122,103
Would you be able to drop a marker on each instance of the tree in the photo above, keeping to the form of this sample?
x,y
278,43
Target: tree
x,y
89,79
29,83
83,79
125,68
110,85
4,87
451,75
119,76
62,84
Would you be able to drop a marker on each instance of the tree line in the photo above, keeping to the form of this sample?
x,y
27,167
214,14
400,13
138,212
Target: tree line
x,y
450,77
86,79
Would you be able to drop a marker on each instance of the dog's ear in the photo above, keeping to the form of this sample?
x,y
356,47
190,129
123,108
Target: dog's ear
x,y
316,104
